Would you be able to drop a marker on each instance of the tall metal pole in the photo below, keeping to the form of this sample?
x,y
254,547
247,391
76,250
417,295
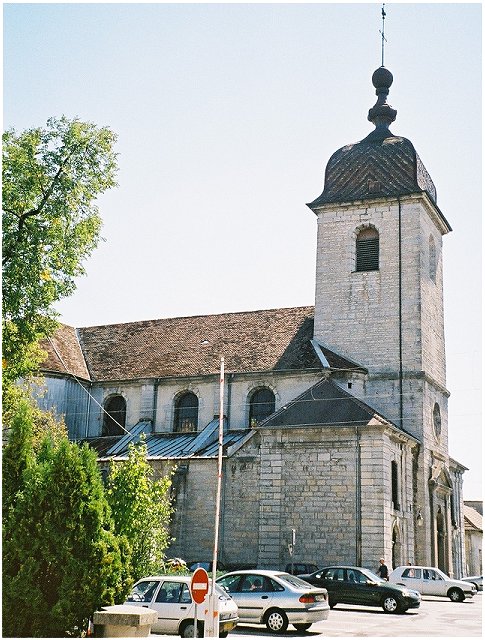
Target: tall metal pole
x,y
218,500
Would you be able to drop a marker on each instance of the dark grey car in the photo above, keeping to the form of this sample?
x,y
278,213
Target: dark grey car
x,y
356,585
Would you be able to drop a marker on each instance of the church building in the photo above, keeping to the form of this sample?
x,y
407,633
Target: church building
x,y
335,416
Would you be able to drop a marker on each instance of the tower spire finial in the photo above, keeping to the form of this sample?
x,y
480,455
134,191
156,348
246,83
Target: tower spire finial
x,y
383,37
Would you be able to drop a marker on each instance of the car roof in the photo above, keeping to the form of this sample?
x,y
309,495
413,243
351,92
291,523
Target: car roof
x,y
344,566
166,577
263,572
416,566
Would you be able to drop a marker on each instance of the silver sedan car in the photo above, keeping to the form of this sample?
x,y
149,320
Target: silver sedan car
x,y
276,599
476,580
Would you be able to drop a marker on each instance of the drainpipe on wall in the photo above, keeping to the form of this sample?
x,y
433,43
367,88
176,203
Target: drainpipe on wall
x,y
358,501
154,409
230,378
401,410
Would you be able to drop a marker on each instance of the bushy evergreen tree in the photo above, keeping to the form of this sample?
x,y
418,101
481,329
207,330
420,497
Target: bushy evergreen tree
x,y
61,557
141,509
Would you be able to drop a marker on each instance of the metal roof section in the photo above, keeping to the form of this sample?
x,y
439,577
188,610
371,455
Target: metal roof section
x,y
203,444
320,354
206,436
331,360
133,436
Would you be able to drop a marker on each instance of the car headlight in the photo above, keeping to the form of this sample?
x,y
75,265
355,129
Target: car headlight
x,y
227,616
406,593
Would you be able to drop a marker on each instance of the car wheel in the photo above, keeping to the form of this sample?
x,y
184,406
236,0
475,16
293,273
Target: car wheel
x,y
332,603
187,630
390,605
303,626
276,620
456,595
223,634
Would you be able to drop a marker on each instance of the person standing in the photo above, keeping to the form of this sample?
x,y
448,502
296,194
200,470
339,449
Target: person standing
x,y
382,570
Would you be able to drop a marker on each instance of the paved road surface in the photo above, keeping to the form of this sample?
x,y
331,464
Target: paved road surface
x,y
436,617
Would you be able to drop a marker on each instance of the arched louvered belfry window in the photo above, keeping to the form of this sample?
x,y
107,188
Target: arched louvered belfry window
x,y
367,250
261,405
114,416
186,412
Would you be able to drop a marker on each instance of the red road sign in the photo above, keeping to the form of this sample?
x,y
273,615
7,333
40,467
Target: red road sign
x,y
199,585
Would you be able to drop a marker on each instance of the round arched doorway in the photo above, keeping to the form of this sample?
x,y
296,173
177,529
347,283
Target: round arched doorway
x,y
396,546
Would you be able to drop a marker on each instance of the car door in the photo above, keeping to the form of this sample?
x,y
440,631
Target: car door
x,y
333,579
412,577
433,583
351,589
360,589
173,604
253,597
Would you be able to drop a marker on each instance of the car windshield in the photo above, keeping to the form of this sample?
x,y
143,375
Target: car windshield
x,y
372,576
441,574
222,593
294,581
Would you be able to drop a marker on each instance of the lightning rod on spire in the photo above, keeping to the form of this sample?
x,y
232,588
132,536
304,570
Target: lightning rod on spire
x,y
383,13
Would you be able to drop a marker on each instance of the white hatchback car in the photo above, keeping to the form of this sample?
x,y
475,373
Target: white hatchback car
x,y
170,597
430,581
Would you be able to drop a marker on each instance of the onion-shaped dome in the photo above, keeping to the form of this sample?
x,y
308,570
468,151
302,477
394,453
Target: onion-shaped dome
x,y
381,164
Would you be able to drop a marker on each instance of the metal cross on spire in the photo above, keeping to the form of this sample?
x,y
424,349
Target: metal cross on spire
x,y
382,34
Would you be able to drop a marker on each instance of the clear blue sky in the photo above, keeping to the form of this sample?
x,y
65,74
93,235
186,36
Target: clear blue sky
x,y
227,115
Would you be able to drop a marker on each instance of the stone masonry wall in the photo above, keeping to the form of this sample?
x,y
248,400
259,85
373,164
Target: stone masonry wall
x,y
357,313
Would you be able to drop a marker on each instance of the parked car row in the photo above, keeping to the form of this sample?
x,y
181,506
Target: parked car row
x,y
278,598
273,598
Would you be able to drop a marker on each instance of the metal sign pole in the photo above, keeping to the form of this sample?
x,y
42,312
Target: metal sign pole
x,y
195,621
213,627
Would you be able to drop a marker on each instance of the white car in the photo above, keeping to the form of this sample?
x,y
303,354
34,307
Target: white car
x,y
170,597
276,599
430,581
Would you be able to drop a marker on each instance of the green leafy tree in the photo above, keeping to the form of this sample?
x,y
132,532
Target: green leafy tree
x,y
51,179
61,557
141,509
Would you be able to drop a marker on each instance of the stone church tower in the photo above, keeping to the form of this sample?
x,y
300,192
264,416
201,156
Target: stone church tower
x,y
379,303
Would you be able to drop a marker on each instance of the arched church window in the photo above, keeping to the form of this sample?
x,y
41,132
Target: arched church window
x,y
114,416
367,250
261,405
186,416
432,259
